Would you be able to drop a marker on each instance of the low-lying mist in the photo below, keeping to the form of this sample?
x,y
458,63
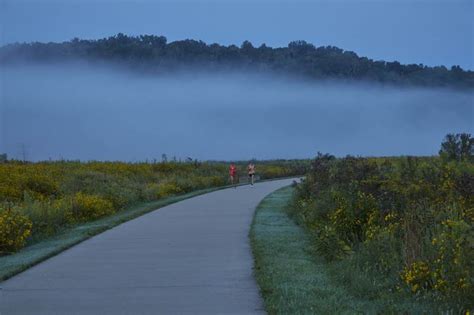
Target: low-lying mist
x,y
85,112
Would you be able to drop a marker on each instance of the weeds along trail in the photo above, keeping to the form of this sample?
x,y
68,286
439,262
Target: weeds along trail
x,y
402,224
37,200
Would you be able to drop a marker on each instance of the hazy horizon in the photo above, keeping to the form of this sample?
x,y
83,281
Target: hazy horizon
x,y
73,111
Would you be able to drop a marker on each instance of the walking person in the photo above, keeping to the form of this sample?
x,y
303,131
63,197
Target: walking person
x,y
251,172
232,173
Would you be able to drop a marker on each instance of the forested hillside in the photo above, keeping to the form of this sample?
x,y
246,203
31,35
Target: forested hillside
x,y
301,59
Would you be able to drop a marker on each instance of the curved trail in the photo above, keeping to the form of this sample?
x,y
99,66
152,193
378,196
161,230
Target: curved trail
x,y
186,258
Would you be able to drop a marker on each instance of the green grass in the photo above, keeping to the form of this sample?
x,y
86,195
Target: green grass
x,y
31,255
294,280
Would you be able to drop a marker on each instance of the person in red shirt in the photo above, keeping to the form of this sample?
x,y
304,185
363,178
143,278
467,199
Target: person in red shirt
x,y
232,173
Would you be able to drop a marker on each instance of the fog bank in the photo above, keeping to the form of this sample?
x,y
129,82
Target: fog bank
x,y
84,112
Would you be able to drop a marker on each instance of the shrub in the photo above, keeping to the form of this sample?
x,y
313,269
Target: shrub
x,y
156,191
167,189
48,216
121,191
40,185
406,220
14,230
89,207
417,276
151,192
215,181
329,245
453,263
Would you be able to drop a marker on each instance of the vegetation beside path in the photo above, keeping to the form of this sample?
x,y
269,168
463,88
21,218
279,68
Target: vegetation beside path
x,y
11,265
46,207
402,224
294,279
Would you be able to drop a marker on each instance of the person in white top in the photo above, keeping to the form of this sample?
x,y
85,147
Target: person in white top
x,y
251,172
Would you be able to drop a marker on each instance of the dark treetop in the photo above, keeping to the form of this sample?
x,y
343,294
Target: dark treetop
x,y
300,59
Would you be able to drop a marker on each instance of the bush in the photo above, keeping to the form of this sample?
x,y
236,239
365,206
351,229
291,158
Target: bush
x,y
406,219
453,262
156,191
168,189
90,207
417,276
121,191
48,216
14,230
329,244
151,192
40,185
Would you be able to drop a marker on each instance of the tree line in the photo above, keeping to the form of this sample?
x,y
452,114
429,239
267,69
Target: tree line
x,y
300,58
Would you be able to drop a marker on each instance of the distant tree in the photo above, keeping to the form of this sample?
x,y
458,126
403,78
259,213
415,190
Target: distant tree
x,y
449,147
3,158
301,46
246,46
247,50
466,146
457,147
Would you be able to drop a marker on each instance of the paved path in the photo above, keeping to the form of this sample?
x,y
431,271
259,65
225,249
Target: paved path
x,y
187,258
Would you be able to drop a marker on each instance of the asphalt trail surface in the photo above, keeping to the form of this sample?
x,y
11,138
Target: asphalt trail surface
x,y
191,257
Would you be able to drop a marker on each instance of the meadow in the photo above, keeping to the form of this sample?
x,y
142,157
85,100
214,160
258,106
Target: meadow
x,y
395,226
39,200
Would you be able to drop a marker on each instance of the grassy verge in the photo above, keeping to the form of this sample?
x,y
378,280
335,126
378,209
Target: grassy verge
x,y
294,280
29,256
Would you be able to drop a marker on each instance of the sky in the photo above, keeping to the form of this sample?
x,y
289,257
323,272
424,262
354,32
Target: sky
x,y
432,32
